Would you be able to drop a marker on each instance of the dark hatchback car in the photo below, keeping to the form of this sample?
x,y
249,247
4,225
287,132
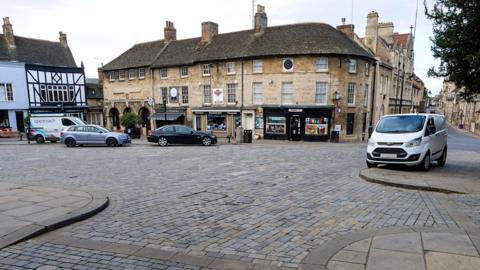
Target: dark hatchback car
x,y
178,134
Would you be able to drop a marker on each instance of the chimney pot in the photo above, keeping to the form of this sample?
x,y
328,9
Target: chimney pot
x,y
261,20
209,29
8,33
63,39
169,32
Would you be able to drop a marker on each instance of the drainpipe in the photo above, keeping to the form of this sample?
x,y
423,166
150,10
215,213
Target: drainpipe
x,y
241,105
153,95
401,90
372,105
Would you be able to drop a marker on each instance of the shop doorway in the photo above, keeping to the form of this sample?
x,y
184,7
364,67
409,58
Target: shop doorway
x,y
20,125
295,128
114,118
145,116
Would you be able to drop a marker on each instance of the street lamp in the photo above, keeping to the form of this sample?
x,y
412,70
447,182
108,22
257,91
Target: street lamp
x,y
336,98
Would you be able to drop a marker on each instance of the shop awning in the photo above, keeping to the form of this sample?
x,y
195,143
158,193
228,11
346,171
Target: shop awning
x,y
170,116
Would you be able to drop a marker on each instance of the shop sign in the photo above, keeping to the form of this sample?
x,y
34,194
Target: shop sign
x,y
159,108
295,110
338,128
218,96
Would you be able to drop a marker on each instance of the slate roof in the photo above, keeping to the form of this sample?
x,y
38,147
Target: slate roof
x,y
36,51
401,39
140,55
285,40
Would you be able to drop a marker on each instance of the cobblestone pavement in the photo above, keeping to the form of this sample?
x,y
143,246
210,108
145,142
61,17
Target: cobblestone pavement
x,y
266,203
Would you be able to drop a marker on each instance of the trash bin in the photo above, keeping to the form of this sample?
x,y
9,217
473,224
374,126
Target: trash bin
x,y
334,136
247,136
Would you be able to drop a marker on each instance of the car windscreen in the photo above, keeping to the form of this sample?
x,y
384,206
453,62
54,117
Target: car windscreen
x,y
401,124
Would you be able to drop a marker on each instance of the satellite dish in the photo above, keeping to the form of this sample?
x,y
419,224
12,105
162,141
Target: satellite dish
x,y
173,92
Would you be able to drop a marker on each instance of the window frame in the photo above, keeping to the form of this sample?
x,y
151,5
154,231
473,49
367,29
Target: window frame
x,y
255,94
141,73
131,74
230,66
317,92
164,93
284,93
164,73
209,96
121,75
353,63
256,67
229,85
184,68
353,94
7,95
365,95
367,69
206,67
184,96
316,64
348,125
112,76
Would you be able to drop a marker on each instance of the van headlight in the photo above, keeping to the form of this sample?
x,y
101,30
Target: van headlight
x,y
371,143
414,142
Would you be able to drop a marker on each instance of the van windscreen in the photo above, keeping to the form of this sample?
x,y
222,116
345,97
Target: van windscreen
x,y
401,124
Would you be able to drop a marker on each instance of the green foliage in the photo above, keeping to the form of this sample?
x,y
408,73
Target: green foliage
x,y
456,42
130,120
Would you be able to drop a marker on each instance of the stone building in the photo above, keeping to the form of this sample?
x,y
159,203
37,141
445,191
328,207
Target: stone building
x,y
94,95
295,82
460,112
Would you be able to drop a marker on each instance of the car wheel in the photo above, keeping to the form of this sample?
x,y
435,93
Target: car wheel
x,y
112,142
371,165
70,142
162,141
39,139
207,141
443,159
425,165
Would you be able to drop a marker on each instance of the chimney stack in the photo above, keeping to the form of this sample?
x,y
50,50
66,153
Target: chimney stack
x,y
347,29
63,39
261,20
371,31
209,29
385,30
8,33
169,32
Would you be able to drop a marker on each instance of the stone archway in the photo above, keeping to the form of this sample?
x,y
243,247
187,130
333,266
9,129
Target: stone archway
x,y
127,110
114,116
144,114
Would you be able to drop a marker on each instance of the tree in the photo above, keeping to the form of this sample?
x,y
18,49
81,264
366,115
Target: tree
x,y
130,120
456,42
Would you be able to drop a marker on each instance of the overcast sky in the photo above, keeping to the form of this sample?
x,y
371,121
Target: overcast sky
x,y
98,31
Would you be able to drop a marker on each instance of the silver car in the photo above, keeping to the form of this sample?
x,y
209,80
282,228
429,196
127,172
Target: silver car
x,y
93,134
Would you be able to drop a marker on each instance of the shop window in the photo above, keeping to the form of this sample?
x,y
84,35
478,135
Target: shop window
x,y
315,126
350,123
275,125
4,121
321,93
207,94
217,122
257,93
351,94
287,93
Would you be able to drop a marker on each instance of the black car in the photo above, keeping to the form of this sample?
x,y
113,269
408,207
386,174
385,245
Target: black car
x,y
178,134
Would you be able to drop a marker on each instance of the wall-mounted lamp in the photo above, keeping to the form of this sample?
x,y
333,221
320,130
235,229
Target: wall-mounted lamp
x,y
337,96
270,82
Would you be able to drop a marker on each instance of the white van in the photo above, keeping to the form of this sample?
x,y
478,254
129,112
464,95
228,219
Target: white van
x,y
410,139
47,127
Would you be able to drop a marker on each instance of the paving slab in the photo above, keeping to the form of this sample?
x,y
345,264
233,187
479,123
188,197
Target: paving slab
x,y
30,210
446,261
380,259
405,242
336,265
449,243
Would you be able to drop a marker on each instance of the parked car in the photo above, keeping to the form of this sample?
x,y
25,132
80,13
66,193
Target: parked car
x,y
178,134
410,139
93,134
48,127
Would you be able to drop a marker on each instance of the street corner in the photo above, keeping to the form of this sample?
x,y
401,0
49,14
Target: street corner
x,y
436,180
27,211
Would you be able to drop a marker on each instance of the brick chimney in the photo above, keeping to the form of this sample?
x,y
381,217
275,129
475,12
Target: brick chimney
x,y
261,20
8,33
209,29
371,31
63,39
169,32
347,29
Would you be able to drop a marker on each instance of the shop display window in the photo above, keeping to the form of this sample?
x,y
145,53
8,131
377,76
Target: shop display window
x,y
316,126
217,122
275,125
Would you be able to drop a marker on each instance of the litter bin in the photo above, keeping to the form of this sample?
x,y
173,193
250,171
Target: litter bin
x,y
247,136
334,136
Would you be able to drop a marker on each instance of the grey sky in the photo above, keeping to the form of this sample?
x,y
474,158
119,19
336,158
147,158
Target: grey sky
x,y
98,31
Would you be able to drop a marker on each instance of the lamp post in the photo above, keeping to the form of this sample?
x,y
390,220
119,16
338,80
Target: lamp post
x,y
336,98
165,108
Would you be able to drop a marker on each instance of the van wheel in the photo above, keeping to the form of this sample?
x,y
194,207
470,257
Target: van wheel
x,y
39,139
70,142
443,159
112,142
425,165
371,165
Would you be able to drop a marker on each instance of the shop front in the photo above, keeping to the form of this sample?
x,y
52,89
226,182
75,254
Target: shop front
x,y
295,123
221,122
169,117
